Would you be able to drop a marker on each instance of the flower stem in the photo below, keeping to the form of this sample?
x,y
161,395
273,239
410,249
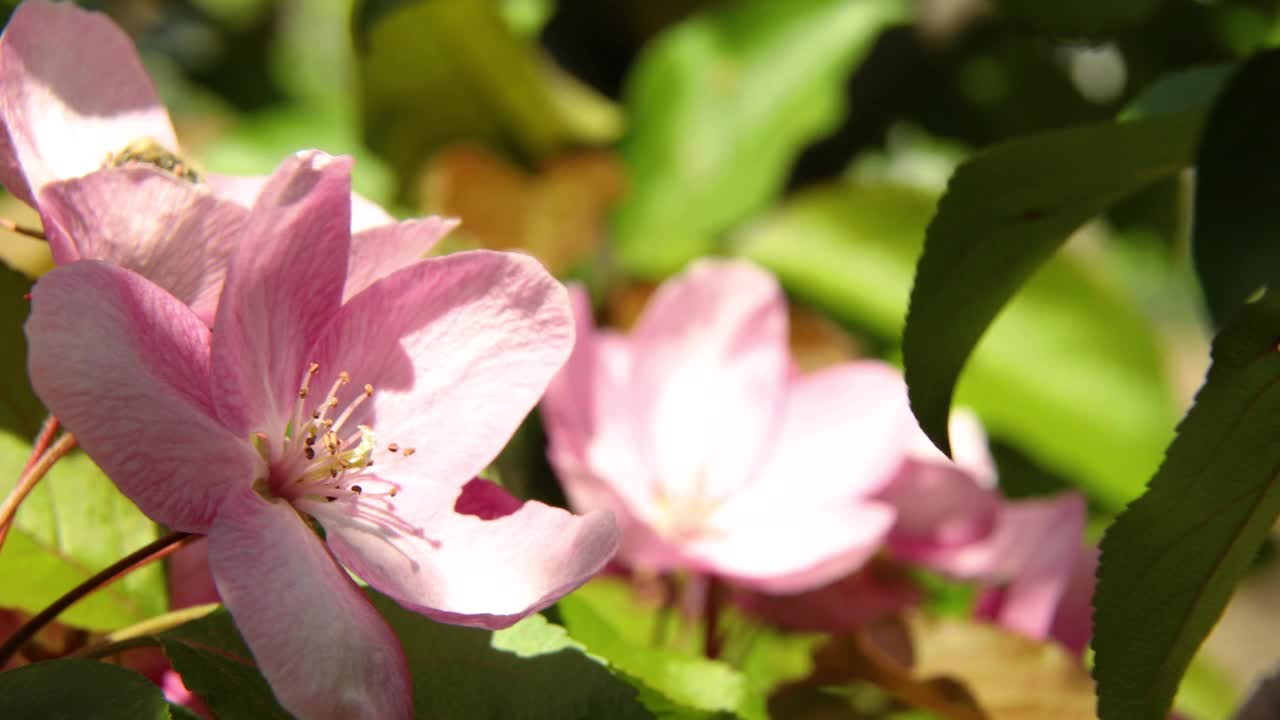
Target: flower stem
x,y
14,227
137,635
152,551
37,467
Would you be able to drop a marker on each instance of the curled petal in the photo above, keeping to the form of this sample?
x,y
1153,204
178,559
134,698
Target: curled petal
x,y
324,649
283,286
244,190
72,92
467,570
125,366
176,234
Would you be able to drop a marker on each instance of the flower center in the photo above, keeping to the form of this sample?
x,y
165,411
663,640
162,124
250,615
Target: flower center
x,y
150,152
686,511
318,459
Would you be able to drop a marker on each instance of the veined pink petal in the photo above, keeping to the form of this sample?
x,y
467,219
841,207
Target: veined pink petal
x,y
775,545
283,286
843,433
470,571
174,233
458,349
324,649
380,251
709,374
125,366
72,91
244,190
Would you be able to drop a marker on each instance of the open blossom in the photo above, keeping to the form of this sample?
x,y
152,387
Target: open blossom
x,y
366,417
75,102
712,451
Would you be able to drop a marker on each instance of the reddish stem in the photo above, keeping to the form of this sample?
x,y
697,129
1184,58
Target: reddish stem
x,y
43,438
154,550
35,470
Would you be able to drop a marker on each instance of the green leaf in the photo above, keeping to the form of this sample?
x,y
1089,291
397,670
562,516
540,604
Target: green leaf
x,y
434,72
1171,560
1005,212
672,684
20,410
718,108
1082,18
1235,237
532,670
76,689
215,664
1069,344
74,524
1191,89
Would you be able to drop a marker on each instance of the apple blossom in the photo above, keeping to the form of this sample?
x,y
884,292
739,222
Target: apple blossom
x,y
303,411
712,451
75,102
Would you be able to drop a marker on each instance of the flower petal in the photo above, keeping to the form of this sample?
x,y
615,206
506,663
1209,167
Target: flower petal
x,y
710,368
324,649
283,286
380,251
767,543
176,234
72,91
125,366
244,190
458,349
467,570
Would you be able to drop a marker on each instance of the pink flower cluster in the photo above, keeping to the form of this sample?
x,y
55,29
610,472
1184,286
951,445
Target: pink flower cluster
x,y
271,362
717,455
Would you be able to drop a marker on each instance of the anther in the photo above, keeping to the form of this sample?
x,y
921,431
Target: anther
x,y
368,390
345,377
357,489
393,447
409,451
310,452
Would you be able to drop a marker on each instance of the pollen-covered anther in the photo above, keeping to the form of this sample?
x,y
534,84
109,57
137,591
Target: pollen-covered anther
x,y
392,447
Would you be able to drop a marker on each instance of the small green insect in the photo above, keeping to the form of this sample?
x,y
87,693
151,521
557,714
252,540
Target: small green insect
x,y
150,152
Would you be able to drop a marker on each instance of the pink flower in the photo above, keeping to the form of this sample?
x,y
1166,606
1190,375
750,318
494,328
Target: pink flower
x,y
1029,555
303,410
712,452
75,102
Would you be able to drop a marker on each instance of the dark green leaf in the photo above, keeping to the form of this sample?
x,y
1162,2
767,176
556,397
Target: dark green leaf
x,y
1066,345
1191,89
1172,559
1082,18
1005,212
78,689
215,665
20,411
72,525
1236,233
720,105
435,72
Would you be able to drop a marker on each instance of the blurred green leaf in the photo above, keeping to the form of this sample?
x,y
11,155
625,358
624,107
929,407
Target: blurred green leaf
x,y
20,410
1172,559
73,689
1235,238
1206,691
1070,372
1005,212
1191,89
434,72
1083,18
605,619
720,105
72,525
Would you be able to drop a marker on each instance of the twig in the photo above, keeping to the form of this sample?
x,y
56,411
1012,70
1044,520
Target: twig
x,y
30,232
36,469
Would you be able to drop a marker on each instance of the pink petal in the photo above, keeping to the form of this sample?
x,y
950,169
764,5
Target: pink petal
x,y
710,367
125,366
324,649
850,603
72,91
467,570
244,190
458,349
190,582
1073,623
174,233
284,285
485,500
378,252
842,435
768,543
568,408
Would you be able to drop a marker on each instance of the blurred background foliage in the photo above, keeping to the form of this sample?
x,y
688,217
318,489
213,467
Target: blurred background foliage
x,y
618,139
